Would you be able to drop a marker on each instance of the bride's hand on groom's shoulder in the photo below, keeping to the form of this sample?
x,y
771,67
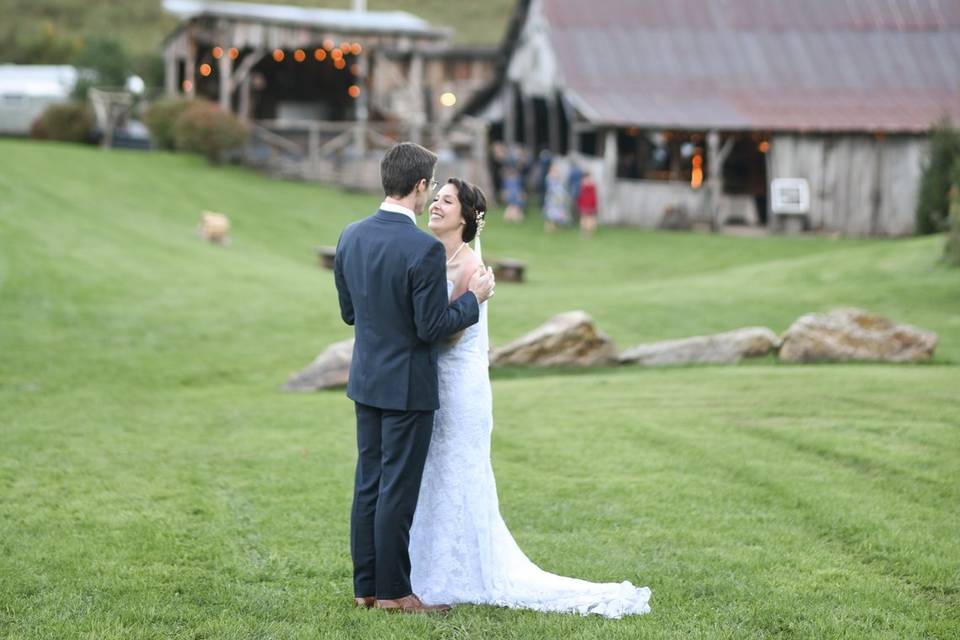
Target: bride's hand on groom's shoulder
x,y
482,283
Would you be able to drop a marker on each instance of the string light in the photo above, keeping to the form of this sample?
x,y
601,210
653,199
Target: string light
x,y
187,85
336,54
339,63
356,49
354,91
299,55
346,47
764,146
234,53
328,44
218,52
448,99
278,55
320,55
205,69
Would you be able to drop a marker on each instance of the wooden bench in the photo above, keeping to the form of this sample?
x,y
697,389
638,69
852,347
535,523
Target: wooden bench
x,y
508,270
326,255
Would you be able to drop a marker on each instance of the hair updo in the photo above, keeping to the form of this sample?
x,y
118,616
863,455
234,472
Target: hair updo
x,y
473,207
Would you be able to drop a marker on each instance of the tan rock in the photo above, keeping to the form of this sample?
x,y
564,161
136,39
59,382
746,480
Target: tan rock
x,y
854,334
722,348
567,339
330,369
214,227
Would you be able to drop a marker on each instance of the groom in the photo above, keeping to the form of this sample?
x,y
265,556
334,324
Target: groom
x,y
391,281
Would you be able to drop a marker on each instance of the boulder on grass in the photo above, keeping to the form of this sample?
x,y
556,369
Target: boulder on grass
x,y
214,227
567,340
723,348
330,369
846,335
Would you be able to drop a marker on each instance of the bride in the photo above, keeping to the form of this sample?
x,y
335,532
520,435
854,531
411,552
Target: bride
x,y
460,548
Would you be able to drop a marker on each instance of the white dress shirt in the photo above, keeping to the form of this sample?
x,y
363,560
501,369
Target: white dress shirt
x,y
398,208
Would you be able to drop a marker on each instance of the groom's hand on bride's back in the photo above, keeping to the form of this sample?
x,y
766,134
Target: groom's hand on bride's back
x,y
482,283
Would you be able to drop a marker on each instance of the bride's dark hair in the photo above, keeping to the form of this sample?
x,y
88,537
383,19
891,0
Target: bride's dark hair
x,y
473,206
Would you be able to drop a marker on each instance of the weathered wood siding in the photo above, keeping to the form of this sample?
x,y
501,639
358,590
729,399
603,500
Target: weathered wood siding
x,y
859,185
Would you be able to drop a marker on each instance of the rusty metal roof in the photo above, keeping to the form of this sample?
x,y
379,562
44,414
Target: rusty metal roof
x,y
829,65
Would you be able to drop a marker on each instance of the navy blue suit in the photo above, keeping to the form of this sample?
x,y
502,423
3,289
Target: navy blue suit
x,y
391,282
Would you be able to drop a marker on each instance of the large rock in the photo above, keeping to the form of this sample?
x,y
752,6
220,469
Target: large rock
x,y
854,334
567,339
214,227
330,369
723,348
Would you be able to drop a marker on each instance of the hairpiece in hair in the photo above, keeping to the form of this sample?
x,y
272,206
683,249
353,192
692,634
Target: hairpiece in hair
x,y
481,220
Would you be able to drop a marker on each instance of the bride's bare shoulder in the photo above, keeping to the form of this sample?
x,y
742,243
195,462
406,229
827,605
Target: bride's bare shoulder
x,y
470,259
470,263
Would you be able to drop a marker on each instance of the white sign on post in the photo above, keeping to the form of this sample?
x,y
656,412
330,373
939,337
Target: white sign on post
x,y
790,195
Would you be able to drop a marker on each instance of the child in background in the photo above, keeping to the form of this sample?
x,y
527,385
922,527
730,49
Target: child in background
x,y
587,205
555,202
513,194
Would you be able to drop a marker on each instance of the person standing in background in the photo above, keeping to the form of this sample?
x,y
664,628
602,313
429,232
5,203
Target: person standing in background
x,y
555,202
587,205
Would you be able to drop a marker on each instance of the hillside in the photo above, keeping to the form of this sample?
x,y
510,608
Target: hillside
x,y
142,24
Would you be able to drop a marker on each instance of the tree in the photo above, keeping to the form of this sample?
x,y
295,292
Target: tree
x,y
106,62
952,250
933,198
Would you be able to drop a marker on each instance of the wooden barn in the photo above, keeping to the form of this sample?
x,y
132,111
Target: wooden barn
x,y
788,114
325,90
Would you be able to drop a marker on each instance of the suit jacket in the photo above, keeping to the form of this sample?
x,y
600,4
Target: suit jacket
x,y
391,282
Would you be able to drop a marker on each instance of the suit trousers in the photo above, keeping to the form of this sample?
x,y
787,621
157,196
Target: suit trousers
x,y
392,449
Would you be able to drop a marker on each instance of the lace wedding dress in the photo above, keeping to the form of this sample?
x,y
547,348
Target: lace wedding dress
x,y
460,548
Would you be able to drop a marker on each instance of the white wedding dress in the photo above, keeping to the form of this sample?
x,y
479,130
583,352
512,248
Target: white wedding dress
x,y
460,548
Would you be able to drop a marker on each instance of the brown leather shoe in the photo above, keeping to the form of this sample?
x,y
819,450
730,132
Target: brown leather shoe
x,y
410,604
366,602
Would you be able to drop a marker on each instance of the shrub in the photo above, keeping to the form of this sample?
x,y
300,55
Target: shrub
x,y
933,196
69,122
161,119
205,128
952,252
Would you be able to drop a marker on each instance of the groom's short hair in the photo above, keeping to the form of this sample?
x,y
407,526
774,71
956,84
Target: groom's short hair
x,y
404,165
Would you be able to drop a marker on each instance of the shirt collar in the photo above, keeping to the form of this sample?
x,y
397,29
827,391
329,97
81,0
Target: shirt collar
x,y
398,208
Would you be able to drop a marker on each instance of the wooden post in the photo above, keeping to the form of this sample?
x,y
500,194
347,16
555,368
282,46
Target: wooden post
x,y
313,149
245,99
363,110
673,146
509,114
573,137
417,116
716,156
529,126
171,72
609,182
226,82
241,77
553,123
225,93
481,143
190,66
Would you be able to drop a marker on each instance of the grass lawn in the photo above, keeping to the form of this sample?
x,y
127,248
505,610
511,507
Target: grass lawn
x,y
155,483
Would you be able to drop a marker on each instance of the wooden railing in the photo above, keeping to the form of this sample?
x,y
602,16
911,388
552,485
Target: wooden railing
x,y
343,153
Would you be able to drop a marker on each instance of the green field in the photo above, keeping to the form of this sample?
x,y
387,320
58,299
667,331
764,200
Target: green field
x,y
156,483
